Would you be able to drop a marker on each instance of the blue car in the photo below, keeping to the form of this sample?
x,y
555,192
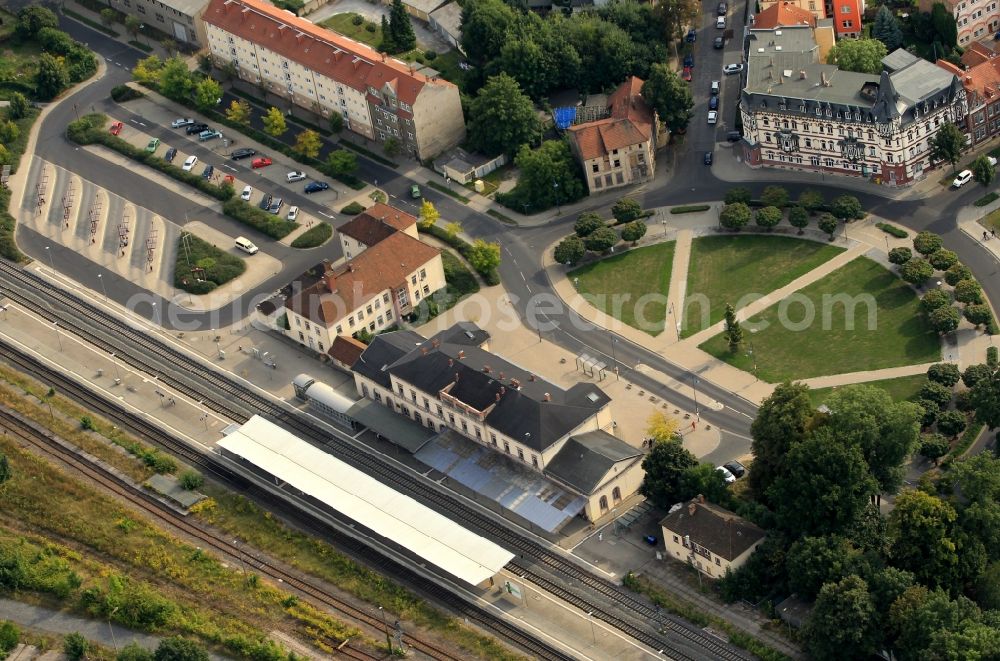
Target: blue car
x,y
689,60
316,186
692,36
208,172
713,103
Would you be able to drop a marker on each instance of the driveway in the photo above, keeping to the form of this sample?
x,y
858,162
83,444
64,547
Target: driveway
x,y
373,11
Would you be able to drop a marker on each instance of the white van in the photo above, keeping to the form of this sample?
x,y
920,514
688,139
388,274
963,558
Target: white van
x,y
246,245
720,22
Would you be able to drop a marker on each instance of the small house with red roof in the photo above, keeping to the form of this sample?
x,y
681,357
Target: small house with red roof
x,y
981,79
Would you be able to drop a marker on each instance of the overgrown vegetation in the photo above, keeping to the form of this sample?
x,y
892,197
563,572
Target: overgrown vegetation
x,y
490,275
201,266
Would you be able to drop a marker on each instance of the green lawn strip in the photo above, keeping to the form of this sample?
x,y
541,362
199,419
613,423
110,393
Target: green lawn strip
x,y
8,224
314,237
726,268
344,24
614,285
900,336
200,266
447,191
902,388
991,221
19,61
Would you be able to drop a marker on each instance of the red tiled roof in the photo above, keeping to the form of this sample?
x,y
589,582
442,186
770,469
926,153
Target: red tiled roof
x,y
630,123
346,350
981,81
977,53
347,287
345,60
783,14
376,223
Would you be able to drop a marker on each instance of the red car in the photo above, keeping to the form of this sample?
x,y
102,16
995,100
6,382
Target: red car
x,y
686,74
116,128
262,162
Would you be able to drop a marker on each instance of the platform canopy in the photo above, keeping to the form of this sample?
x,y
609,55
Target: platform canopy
x,y
388,513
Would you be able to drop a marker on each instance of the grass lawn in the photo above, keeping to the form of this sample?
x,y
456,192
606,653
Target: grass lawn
x,y
991,221
217,267
726,268
903,388
900,336
342,23
614,285
19,62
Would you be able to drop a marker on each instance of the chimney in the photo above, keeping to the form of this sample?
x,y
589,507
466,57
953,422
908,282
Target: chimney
x,y
548,397
486,368
802,74
498,396
501,376
701,498
423,350
451,362
461,355
503,391
692,508
531,377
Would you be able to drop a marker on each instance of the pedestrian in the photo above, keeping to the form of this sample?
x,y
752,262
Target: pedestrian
x,y
993,232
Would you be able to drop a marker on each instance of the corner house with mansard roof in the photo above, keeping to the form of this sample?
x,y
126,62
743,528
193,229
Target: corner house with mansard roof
x,y
378,96
800,114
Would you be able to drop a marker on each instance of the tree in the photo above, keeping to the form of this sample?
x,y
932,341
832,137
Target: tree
x,y
132,24
824,487
387,45
483,256
169,45
846,208
774,196
827,223
943,259
945,320
985,399
501,118
798,217
75,646
983,171
342,162
886,29
733,332
978,314
900,256
308,143
916,271
33,18
274,122
108,16
179,649
969,291
669,96
920,527
810,200
738,194
549,175
601,239
768,217
927,243
973,374
8,131
841,625
133,652
428,214
51,78
175,79
665,466
626,210
634,231
782,422
814,561
661,427
587,223
936,393
148,70
570,250
934,446
403,38
706,480
191,480
207,94
945,28
735,216
18,106
861,55
239,112
486,26
336,121
951,423
452,230
956,273
947,144
4,468
934,299
392,146
946,374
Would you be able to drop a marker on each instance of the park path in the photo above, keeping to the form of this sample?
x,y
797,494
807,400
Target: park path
x,y
835,380
678,286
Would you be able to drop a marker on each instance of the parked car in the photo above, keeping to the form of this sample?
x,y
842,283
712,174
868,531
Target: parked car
x,y
245,152
153,144
713,103
713,117
692,36
992,161
722,9
195,128
261,162
720,23
209,134
275,205
708,158
247,192
734,136
189,163
415,192
730,69
726,475
686,74
736,468
170,155
964,177
208,172
689,60
316,186
293,213
719,43
295,175
714,89
181,123
265,202
116,128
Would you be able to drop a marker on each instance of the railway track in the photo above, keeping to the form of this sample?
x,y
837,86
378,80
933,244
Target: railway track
x,y
551,570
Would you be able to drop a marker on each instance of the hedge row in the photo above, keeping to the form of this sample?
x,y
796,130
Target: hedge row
x,y
91,129
122,93
314,237
353,209
491,277
897,232
262,221
987,199
691,208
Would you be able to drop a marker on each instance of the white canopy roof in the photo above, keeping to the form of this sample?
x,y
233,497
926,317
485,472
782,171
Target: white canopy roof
x,y
364,499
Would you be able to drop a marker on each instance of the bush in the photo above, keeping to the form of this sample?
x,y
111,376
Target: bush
x,y
75,646
934,299
314,237
989,198
353,209
900,256
992,357
200,267
892,230
87,423
370,27
9,637
122,93
690,208
587,224
944,373
460,279
462,246
738,194
430,55
191,479
357,19
262,221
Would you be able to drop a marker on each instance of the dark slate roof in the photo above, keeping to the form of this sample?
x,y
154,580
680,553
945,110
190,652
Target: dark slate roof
x,y
464,333
384,350
714,528
585,460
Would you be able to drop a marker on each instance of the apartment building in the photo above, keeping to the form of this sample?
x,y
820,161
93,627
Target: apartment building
x,y
373,225
847,16
379,97
181,19
816,8
975,18
620,149
788,15
453,383
708,537
801,114
981,81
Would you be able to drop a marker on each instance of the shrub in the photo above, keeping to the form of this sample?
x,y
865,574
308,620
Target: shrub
x,y
313,237
587,224
357,19
690,208
943,259
934,299
191,479
989,198
353,209
992,357
892,230
87,423
122,93
900,256
738,194
370,27
430,55
75,646
601,239
462,246
9,637
262,221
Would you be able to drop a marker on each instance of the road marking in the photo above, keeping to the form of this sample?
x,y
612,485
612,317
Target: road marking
x,y
522,276
324,214
229,167
134,121
739,412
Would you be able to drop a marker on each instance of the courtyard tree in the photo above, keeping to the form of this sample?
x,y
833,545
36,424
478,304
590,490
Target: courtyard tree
x,y
335,121
601,240
626,210
983,171
733,332
798,218
956,273
860,55
827,223
669,96
947,144
782,422
946,374
343,162
665,466
934,446
274,122
842,622
900,256
945,320
943,259
969,291
738,194
239,112
934,299
951,423
483,256
207,94
502,118
570,250
886,29
774,196
978,314
768,217
428,213
811,200
846,208
916,271
927,243
633,231
735,216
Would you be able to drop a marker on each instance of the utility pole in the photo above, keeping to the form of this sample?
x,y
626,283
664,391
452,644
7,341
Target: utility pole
x,y
388,640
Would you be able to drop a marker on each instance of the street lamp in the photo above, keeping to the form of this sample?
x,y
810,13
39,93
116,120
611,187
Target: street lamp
x,y
614,359
111,628
51,261
555,185
100,278
694,386
593,631
388,640
753,355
